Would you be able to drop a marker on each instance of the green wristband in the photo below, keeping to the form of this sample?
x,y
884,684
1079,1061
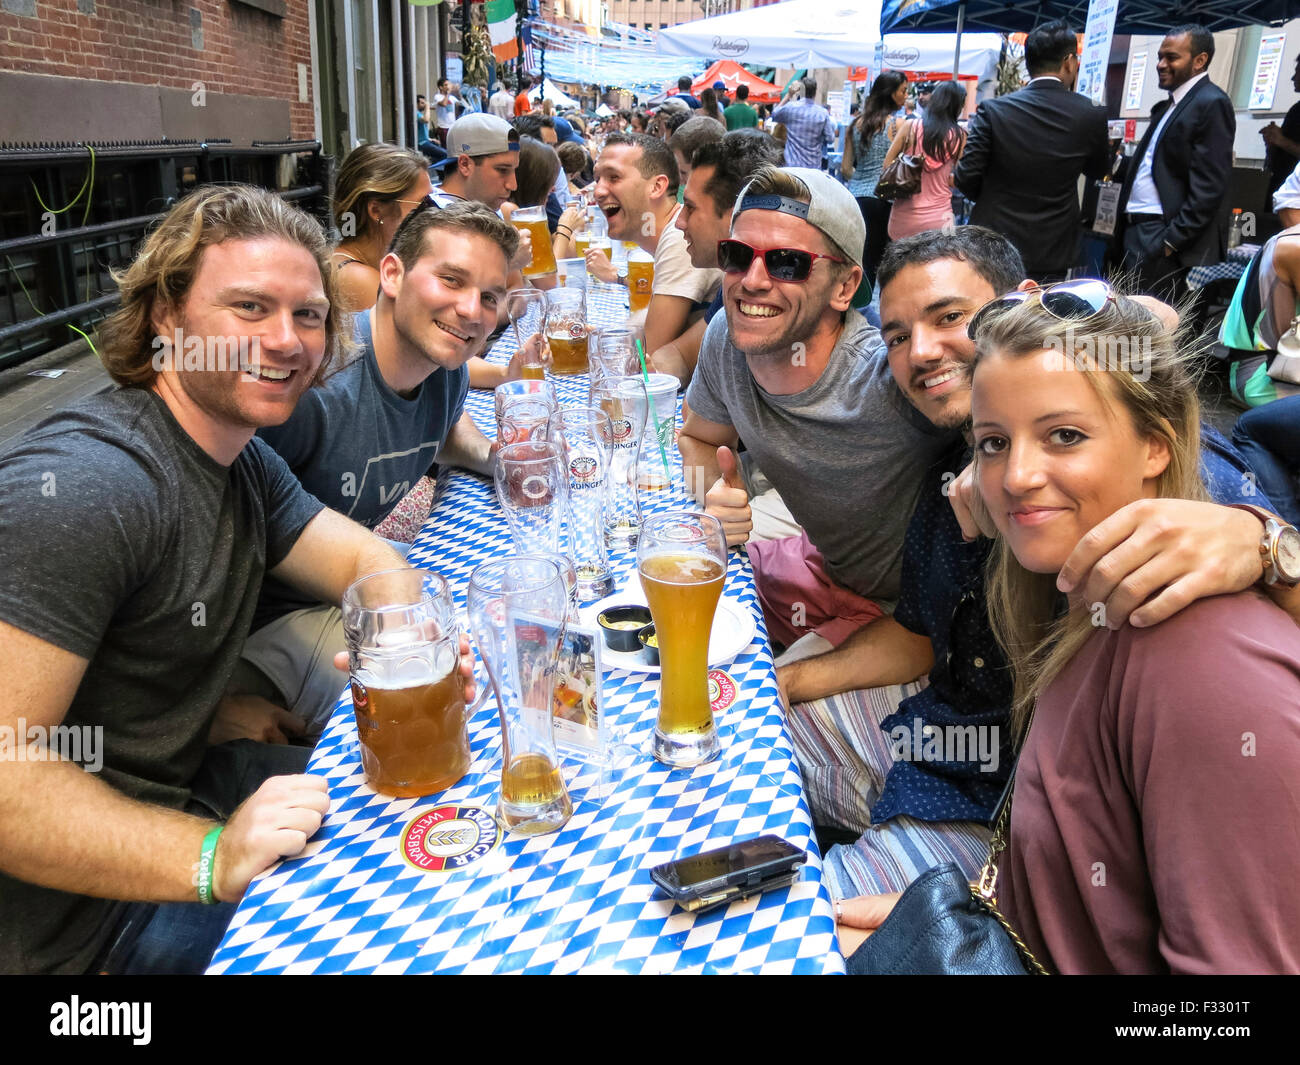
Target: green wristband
x,y
208,865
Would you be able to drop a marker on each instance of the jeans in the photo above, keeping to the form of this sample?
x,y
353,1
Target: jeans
x,y
180,937
1268,437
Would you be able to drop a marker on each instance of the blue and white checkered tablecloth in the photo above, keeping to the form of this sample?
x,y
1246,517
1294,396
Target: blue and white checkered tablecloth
x,y
577,900
1238,259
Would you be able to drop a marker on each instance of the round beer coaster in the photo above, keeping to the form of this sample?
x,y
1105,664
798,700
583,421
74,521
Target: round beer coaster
x,y
722,690
447,839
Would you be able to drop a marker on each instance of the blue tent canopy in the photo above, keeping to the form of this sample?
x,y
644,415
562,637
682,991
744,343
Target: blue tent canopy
x,y
1134,16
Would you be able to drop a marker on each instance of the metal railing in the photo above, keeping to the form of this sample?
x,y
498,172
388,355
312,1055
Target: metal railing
x,y
71,214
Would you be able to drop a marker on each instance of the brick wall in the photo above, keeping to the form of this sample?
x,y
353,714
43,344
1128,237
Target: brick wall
x,y
234,50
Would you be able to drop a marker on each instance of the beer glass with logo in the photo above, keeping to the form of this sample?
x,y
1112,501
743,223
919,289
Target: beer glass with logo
x,y
626,407
524,418
533,488
532,220
566,330
659,440
682,562
587,436
526,308
402,640
640,279
517,612
506,392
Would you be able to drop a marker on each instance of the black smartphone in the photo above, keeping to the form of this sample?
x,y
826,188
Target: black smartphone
x,y
705,881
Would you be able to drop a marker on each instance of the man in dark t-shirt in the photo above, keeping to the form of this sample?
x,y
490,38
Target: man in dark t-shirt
x,y
362,440
928,764
135,529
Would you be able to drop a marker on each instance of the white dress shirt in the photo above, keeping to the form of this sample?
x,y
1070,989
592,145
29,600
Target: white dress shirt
x,y
1143,197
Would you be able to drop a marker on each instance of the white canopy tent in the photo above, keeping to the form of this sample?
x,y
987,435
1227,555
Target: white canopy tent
x,y
826,33
553,94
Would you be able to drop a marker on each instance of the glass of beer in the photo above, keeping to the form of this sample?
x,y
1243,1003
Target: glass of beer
x,y
517,612
526,308
682,562
532,220
566,330
582,241
640,279
407,695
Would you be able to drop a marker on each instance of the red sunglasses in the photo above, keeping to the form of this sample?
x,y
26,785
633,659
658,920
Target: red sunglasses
x,y
783,264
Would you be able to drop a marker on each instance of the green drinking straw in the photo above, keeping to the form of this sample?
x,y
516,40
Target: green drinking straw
x,y
659,433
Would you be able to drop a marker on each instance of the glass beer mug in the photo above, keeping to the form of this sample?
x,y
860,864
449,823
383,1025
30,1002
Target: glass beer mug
x,y
407,694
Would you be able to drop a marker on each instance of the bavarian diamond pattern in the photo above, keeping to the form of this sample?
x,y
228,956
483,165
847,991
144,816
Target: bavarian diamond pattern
x,y
577,900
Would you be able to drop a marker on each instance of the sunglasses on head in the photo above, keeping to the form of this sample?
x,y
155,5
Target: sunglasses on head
x,y
1070,301
783,264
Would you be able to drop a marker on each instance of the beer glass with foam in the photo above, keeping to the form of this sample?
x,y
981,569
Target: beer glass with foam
x,y
682,562
517,610
640,279
402,640
532,220
566,330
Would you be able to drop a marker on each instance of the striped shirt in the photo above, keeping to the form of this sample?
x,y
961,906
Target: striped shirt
x,y
808,129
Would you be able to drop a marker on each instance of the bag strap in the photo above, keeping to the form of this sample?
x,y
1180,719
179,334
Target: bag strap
x,y
984,894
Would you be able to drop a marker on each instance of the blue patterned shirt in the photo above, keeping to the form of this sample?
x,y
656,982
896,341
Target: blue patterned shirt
x,y
808,130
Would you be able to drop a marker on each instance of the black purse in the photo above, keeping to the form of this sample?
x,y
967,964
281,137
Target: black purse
x,y
943,925
901,179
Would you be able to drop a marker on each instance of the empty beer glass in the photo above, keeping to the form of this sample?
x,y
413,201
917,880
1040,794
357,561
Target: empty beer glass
x,y
407,694
526,308
626,407
682,562
587,436
517,612
533,488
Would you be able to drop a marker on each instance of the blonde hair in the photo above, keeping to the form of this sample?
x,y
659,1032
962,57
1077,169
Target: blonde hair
x,y
1152,380
373,172
164,269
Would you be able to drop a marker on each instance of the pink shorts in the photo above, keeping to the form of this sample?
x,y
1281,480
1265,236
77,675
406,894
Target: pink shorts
x,y
798,597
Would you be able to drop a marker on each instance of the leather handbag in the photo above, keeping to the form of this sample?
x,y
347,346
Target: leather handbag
x,y
1285,363
943,925
901,179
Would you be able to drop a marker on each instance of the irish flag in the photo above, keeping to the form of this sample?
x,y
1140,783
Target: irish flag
x,y
501,28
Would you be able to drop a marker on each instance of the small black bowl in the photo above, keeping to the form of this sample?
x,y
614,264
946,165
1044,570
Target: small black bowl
x,y
649,645
620,624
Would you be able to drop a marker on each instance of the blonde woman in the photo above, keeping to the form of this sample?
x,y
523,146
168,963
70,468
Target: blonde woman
x,y
377,186
1155,804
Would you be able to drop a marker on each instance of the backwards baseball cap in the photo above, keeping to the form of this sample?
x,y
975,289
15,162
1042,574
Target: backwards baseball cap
x,y
481,134
830,208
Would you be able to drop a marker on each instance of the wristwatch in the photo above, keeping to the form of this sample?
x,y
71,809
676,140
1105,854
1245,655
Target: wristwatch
x,y
1279,547
622,279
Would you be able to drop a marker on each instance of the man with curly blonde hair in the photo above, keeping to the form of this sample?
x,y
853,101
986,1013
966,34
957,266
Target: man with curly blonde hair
x,y
135,530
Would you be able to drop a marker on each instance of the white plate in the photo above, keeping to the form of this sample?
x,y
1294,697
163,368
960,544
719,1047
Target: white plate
x,y
733,629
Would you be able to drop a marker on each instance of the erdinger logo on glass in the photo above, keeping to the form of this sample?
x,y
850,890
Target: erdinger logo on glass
x,y
622,432
577,330
535,487
449,838
682,533
584,472
722,690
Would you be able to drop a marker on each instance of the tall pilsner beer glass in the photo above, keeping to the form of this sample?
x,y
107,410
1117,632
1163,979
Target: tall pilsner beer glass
x,y
682,559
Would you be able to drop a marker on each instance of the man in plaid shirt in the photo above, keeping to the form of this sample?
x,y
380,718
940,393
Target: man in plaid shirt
x,y
808,128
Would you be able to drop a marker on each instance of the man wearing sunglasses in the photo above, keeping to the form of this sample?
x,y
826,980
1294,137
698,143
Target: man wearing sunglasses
x,y
1158,555
802,378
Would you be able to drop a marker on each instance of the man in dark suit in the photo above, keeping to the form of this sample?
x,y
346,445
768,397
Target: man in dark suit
x,y
1025,152
1174,184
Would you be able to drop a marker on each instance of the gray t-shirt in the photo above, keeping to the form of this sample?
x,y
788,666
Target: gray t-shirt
x,y
125,543
359,447
847,454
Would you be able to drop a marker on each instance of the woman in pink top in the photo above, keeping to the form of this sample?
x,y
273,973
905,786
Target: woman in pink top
x,y
941,141
1155,810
